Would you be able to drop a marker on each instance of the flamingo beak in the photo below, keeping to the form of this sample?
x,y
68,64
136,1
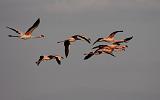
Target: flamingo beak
x,y
43,36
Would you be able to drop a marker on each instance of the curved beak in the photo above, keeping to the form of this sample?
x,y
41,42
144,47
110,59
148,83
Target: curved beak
x,y
43,36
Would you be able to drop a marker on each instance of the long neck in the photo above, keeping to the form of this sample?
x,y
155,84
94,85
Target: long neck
x,y
36,37
12,36
119,40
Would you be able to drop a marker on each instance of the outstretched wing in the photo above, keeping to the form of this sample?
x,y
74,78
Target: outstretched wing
x,y
99,46
66,44
88,55
127,39
14,30
97,40
58,61
118,42
82,37
35,25
39,61
113,34
122,41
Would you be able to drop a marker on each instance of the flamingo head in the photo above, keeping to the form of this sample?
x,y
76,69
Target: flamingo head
x,y
42,36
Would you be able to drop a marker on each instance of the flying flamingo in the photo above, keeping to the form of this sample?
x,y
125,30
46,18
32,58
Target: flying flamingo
x,y
28,34
101,49
49,57
72,39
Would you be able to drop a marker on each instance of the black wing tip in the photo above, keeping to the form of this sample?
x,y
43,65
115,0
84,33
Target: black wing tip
x,y
96,41
131,37
88,55
95,47
99,46
119,31
37,22
66,54
9,35
37,63
127,39
59,63
85,58
38,19
66,44
89,40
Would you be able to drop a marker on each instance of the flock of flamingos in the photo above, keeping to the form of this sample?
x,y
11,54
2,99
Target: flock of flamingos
x,y
114,46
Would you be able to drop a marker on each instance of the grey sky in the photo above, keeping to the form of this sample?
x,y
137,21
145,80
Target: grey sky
x,y
132,75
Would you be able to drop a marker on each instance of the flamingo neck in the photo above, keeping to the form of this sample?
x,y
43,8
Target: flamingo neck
x,y
36,37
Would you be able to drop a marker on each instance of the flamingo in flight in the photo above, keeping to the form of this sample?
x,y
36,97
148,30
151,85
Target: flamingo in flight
x,y
72,39
111,38
49,57
28,34
101,49
116,45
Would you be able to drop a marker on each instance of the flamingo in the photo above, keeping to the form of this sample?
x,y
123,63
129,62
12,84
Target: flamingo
x,y
28,34
72,39
49,57
109,38
114,46
101,49
117,45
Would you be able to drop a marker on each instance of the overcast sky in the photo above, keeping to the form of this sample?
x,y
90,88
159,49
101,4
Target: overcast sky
x,y
132,75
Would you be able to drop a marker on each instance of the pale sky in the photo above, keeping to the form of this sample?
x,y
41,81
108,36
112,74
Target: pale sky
x,y
132,75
